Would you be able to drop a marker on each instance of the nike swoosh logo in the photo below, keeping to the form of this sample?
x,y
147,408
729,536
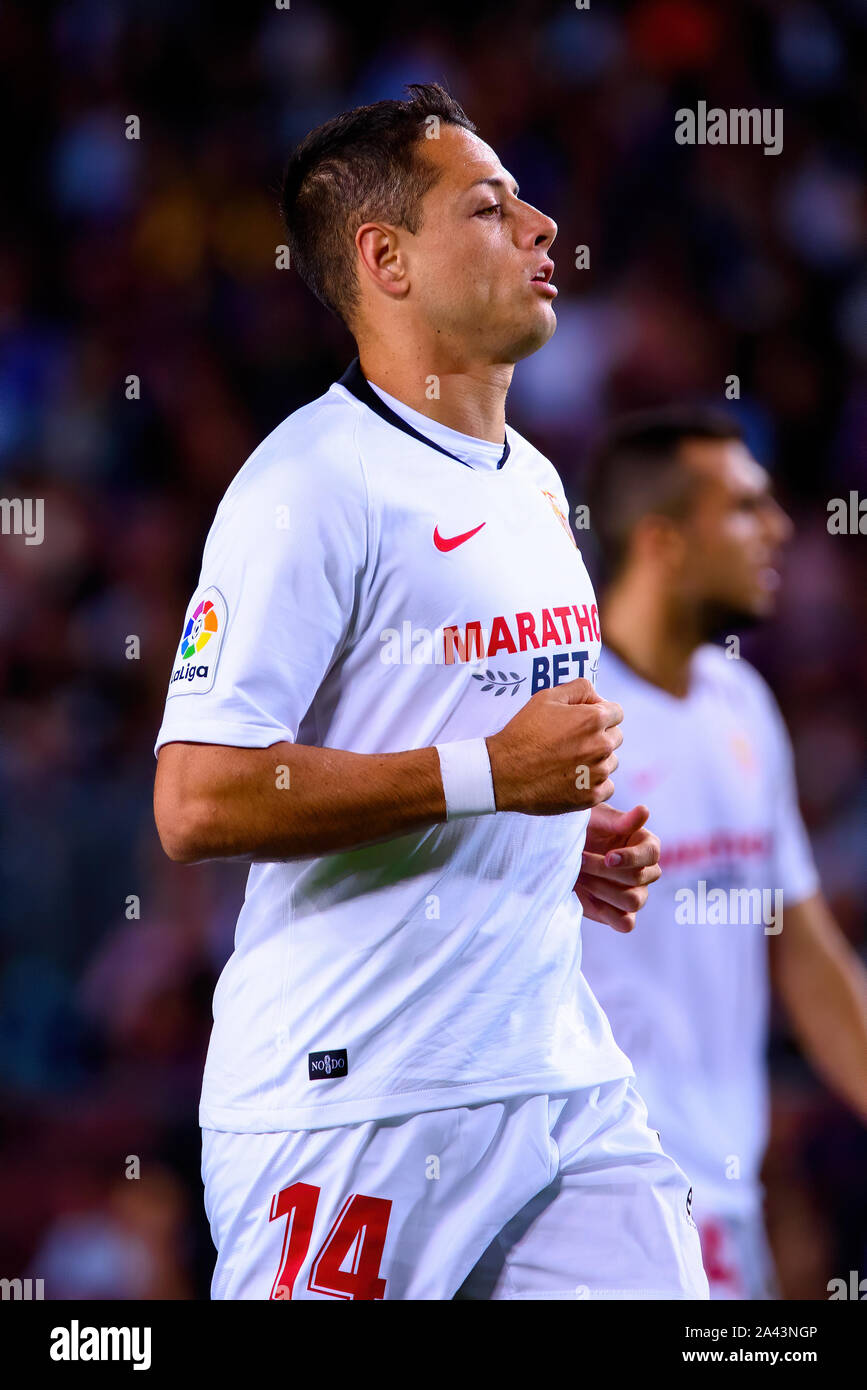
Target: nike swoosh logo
x,y
450,542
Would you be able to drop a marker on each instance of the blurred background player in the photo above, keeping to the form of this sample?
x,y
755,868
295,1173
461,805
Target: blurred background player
x,y
690,538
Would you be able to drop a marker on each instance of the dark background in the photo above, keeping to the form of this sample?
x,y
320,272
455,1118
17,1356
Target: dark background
x,y
156,257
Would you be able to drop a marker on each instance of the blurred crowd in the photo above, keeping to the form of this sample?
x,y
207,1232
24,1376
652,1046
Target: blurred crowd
x,y
147,344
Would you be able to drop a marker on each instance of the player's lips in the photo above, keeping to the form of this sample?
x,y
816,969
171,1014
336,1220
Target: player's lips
x,y
542,279
769,578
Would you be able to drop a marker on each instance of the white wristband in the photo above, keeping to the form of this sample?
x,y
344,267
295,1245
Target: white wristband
x,y
467,781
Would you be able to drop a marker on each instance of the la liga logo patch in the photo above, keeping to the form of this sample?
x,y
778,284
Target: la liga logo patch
x,y
200,629
199,649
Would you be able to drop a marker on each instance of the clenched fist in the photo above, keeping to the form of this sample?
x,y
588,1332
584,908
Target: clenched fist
x,y
558,753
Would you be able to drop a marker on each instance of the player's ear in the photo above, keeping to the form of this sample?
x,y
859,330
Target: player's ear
x,y
660,541
381,259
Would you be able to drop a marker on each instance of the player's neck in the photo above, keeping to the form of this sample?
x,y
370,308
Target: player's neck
x,y
655,637
466,396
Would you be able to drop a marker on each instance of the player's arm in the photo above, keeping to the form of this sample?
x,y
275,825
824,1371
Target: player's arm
x,y
823,985
291,801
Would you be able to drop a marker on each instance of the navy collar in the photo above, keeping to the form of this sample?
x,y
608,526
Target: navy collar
x,y
357,384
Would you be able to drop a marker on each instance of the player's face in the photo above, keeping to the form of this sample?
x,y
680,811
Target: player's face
x,y
735,532
473,262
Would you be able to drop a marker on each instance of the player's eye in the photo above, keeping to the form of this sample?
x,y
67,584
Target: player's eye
x,y
491,207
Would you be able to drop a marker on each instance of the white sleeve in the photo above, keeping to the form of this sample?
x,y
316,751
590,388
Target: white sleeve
x,y
275,601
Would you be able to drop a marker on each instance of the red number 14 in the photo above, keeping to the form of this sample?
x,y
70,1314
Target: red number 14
x,y
347,1263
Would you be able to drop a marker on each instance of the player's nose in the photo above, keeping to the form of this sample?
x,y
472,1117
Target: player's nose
x,y
781,524
546,235
542,230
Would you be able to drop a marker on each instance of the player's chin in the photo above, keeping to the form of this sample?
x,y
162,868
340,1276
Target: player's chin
x,y
759,603
749,613
535,333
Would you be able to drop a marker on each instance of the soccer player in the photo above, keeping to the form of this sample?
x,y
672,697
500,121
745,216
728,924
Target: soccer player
x,y
690,536
384,699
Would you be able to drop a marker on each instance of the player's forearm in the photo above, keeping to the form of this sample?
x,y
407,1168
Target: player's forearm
x,y
823,985
833,1034
289,801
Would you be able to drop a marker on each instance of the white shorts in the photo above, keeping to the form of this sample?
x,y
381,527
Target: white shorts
x,y
546,1197
737,1258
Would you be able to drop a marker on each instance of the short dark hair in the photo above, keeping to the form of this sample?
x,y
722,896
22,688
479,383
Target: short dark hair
x,y
635,469
364,164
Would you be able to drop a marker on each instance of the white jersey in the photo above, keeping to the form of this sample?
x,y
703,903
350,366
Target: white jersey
x,y
372,587
687,990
